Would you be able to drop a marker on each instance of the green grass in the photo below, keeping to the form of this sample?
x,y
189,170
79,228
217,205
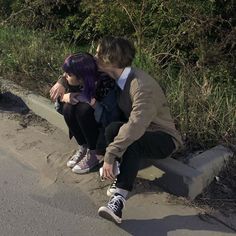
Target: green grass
x,y
203,108
32,58
202,100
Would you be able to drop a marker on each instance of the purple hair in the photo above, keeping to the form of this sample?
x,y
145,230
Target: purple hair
x,y
84,67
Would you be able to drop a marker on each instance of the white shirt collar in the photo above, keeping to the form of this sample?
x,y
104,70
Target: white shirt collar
x,y
123,77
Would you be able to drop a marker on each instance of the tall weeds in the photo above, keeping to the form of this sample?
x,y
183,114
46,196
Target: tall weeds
x,y
202,98
31,58
204,108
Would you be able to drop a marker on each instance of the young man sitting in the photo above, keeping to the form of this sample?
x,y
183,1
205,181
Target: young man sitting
x,y
149,131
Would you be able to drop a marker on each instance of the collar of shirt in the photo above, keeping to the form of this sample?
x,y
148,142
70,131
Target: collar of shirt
x,y
123,77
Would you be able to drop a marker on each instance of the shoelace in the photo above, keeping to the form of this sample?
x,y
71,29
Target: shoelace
x,y
115,202
78,154
86,158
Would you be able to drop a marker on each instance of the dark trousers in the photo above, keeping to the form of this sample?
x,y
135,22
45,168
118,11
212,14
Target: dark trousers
x,y
152,145
81,123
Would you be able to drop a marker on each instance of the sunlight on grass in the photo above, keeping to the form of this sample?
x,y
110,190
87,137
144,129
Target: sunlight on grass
x,y
203,106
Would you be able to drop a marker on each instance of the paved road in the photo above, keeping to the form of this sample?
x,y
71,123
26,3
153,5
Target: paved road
x,y
25,209
28,208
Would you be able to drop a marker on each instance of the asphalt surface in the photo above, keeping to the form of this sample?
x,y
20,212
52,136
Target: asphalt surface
x,y
29,207
25,209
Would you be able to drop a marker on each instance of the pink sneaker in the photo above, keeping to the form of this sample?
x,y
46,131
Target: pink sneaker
x,y
87,163
77,157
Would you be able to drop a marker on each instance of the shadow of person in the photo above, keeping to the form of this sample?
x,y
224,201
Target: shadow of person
x,y
164,226
10,102
144,186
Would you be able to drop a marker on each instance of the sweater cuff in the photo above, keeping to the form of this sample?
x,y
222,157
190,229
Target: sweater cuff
x,y
62,80
110,159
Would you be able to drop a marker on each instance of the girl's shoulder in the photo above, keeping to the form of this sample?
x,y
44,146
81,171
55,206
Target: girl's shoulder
x,y
105,81
105,78
104,85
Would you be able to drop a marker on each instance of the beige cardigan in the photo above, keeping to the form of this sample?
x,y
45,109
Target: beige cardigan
x,y
145,107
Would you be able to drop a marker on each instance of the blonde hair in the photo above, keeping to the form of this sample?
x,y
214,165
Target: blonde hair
x,y
117,51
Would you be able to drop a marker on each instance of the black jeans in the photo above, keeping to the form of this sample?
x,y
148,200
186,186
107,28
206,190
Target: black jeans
x,y
81,123
152,145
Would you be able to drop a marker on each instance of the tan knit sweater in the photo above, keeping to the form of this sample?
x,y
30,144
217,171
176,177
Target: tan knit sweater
x,y
145,107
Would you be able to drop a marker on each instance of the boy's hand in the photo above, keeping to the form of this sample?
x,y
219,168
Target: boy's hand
x,y
108,171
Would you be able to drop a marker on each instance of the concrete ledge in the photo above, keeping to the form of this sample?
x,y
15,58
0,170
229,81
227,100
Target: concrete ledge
x,y
44,108
210,162
179,178
41,106
175,177
186,180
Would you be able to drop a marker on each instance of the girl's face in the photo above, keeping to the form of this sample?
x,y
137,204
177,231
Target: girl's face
x,y
72,79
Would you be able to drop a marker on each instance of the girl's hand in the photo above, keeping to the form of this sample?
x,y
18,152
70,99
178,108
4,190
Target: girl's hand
x,y
71,98
108,171
92,103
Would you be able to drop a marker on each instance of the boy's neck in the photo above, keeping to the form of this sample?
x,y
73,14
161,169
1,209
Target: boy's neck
x,y
115,73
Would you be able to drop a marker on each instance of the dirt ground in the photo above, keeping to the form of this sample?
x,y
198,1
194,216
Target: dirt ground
x,y
219,195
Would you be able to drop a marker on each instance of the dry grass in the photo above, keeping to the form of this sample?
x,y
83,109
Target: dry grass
x,y
202,100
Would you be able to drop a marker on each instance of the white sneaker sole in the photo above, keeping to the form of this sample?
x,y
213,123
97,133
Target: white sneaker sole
x,y
71,165
81,171
107,214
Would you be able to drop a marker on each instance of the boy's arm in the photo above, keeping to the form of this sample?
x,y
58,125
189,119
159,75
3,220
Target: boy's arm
x,y
143,111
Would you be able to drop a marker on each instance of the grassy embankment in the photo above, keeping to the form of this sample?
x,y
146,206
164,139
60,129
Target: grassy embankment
x,y
202,104
30,58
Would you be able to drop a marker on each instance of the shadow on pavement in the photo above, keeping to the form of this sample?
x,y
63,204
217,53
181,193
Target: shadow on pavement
x,y
162,227
12,103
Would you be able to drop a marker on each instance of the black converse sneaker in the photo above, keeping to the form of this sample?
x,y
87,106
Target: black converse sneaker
x,y
113,210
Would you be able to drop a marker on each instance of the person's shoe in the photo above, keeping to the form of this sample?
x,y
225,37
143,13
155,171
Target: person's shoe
x,y
113,210
77,157
87,163
112,189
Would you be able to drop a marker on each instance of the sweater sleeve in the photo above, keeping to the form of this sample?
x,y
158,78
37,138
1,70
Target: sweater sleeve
x,y
143,111
62,80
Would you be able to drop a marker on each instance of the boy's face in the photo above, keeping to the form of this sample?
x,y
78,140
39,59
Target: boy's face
x,y
99,61
103,66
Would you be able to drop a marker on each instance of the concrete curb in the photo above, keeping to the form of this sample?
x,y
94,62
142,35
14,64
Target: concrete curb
x,y
186,180
189,180
41,106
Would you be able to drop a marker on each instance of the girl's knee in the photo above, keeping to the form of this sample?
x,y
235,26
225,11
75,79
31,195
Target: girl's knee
x,y
82,108
67,109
